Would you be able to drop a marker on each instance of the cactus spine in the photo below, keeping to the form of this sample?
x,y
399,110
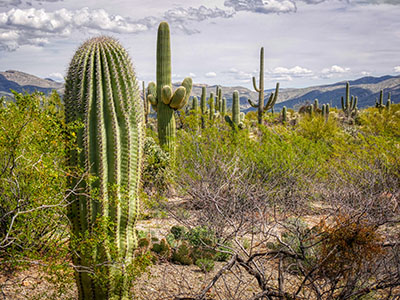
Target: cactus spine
x,y
102,92
260,90
236,120
162,96
349,106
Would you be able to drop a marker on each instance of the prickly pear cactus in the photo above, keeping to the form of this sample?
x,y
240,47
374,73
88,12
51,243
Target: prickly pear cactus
x,y
102,92
161,95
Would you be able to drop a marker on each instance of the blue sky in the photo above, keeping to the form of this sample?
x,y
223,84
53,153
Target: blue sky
x,y
307,42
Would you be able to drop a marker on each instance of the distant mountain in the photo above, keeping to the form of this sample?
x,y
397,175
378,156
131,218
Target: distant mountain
x,y
366,89
22,82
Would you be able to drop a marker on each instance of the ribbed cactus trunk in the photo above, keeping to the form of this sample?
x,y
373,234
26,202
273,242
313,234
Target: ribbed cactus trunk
x,y
260,89
223,107
102,92
235,108
165,114
211,114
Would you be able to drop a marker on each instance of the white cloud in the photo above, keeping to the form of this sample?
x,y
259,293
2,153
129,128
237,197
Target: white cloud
x,y
262,6
192,75
36,26
397,69
295,71
365,73
211,74
56,77
335,70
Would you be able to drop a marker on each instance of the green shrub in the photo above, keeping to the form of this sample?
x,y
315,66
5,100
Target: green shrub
x,y
33,176
206,265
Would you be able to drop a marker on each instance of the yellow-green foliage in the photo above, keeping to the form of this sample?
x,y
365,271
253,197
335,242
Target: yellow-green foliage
x,y
33,223
384,123
317,128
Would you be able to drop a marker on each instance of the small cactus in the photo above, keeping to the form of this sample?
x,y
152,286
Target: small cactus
x,y
316,105
284,114
211,112
235,121
349,106
195,104
182,254
388,103
223,107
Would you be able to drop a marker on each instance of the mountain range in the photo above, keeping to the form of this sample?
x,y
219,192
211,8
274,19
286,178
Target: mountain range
x,y
367,90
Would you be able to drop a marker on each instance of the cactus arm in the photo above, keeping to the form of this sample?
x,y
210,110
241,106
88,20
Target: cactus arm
x,y
343,104
187,84
252,103
178,98
272,98
255,85
354,103
166,94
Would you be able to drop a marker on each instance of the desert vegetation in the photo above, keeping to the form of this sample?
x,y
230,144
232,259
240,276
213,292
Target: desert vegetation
x,y
111,193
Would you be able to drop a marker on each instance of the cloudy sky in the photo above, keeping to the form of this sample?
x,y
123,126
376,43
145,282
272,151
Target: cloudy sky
x,y
306,42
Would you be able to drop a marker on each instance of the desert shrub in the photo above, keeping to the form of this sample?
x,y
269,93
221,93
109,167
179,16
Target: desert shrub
x,y
155,167
385,123
33,188
32,176
349,243
205,264
317,128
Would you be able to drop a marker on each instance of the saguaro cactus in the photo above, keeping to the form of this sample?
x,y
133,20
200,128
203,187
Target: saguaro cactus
x,y
284,114
145,104
195,104
212,107
102,92
223,107
349,106
379,104
218,99
236,120
260,90
162,96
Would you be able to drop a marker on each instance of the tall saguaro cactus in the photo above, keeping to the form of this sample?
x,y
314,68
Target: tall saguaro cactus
x,y
349,106
260,90
102,92
162,96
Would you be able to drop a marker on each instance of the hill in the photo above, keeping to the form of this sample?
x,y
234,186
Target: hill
x,y
367,89
22,82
